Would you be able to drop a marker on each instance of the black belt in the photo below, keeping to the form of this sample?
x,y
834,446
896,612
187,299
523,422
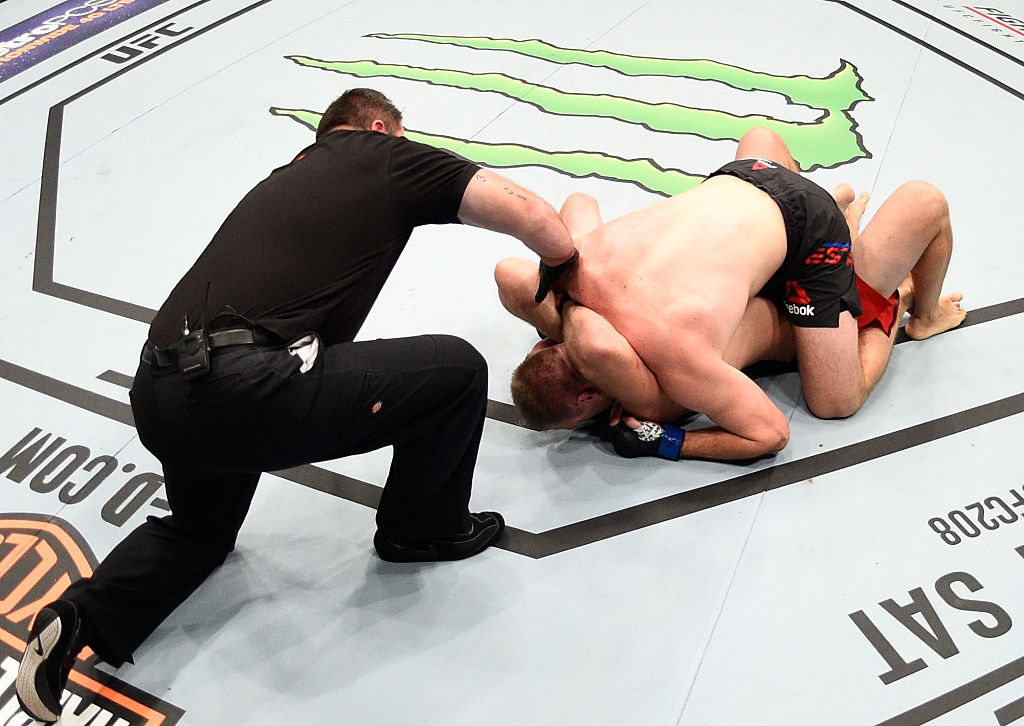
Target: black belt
x,y
168,357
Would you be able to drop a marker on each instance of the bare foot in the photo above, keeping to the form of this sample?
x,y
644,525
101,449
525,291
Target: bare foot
x,y
857,207
852,209
947,314
843,194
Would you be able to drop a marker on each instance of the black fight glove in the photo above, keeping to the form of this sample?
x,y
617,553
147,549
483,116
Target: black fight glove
x,y
650,439
548,275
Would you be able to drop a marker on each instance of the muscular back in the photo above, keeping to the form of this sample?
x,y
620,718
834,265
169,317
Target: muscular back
x,y
681,270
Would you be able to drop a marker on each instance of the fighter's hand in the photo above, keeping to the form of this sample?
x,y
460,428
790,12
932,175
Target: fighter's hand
x,y
549,275
632,438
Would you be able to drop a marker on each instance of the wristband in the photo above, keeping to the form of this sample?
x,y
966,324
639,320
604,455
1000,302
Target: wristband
x,y
654,439
549,275
671,442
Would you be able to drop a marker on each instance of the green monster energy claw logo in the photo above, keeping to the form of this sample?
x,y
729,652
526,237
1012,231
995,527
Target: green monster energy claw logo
x,y
828,141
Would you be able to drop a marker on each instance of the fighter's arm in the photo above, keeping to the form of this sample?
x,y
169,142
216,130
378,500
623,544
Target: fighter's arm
x,y
607,360
602,356
517,280
747,423
493,202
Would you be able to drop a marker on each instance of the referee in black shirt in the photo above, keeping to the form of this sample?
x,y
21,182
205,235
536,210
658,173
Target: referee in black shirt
x,y
250,366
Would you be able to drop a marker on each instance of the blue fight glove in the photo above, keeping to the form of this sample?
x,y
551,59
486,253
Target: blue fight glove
x,y
650,439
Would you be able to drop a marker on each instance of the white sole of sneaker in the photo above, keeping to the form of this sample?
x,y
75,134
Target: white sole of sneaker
x,y
36,652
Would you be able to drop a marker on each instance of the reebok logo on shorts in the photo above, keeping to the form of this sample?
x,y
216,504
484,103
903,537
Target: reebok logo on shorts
x,y
796,294
807,310
797,299
762,164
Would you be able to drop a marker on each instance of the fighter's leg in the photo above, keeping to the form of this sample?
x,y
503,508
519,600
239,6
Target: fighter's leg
x,y
840,367
911,235
908,243
874,347
763,143
762,335
833,371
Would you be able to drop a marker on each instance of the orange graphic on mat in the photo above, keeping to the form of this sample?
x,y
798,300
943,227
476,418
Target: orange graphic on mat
x,y
39,559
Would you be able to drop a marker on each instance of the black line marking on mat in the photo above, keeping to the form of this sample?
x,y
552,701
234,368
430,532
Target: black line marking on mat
x,y
43,279
504,412
993,312
1011,712
46,229
960,31
563,538
513,540
954,699
951,58
775,477
160,51
78,397
118,379
986,314
329,482
623,521
104,49
520,541
507,413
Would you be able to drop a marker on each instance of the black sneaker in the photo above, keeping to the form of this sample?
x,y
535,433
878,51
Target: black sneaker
x,y
485,528
50,652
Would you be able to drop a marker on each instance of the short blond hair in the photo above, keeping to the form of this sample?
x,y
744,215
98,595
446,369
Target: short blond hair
x,y
541,390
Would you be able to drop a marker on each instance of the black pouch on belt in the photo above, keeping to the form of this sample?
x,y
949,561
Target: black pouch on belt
x,y
193,354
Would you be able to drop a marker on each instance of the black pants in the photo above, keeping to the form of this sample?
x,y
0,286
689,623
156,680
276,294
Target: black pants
x,y
255,412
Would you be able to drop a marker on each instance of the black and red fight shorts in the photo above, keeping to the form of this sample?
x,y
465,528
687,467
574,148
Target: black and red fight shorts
x,y
816,281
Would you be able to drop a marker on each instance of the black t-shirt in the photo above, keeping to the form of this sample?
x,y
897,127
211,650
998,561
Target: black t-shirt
x,y
310,247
